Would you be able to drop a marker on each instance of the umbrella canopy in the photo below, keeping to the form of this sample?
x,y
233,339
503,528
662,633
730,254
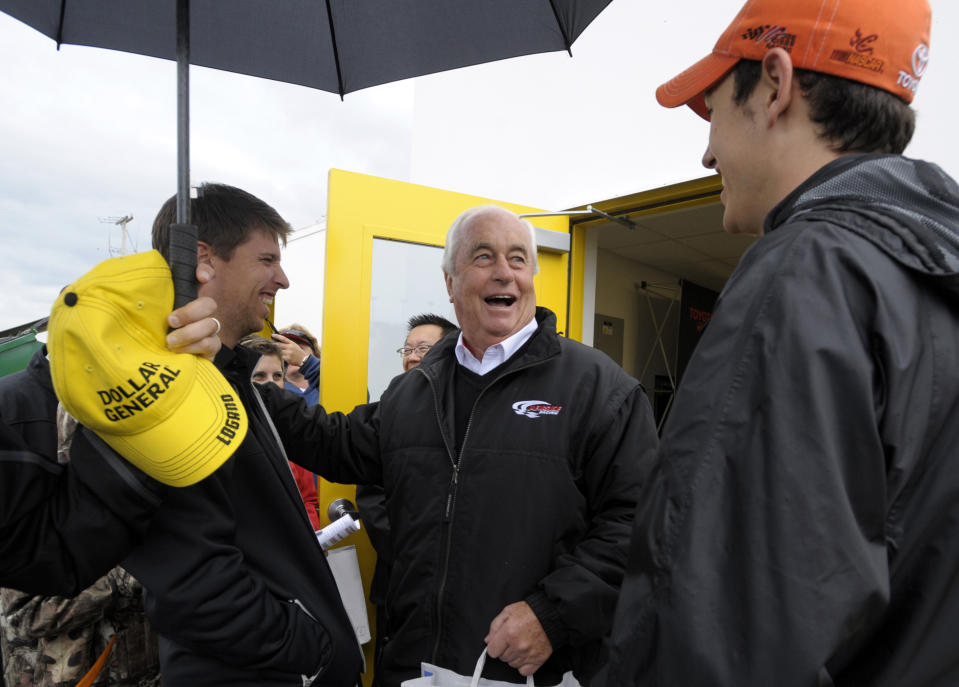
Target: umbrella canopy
x,y
333,45
338,46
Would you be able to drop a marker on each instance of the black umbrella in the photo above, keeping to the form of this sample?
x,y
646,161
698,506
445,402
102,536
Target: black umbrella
x,y
333,45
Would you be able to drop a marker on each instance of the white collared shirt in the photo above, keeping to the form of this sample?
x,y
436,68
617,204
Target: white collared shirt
x,y
495,355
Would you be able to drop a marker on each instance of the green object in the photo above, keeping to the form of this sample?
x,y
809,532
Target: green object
x,y
15,352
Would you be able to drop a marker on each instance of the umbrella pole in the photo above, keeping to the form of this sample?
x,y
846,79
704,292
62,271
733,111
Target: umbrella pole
x,y
183,111
183,234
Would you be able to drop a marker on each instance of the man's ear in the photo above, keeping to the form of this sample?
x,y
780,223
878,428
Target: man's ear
x,y
449,285
204,253
777,76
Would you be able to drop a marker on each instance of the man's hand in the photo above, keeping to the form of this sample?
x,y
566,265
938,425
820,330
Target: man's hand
x,y
290,351
515,636
194,329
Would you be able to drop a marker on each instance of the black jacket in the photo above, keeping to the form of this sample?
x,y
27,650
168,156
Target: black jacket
x,y
61,526
237,585
537,506
28,404
803,525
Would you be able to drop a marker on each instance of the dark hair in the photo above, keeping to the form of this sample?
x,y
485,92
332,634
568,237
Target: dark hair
x,y
224,217
257,343
430,318
853,117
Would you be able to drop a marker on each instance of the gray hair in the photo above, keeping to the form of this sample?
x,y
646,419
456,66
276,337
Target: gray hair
x,y
453,235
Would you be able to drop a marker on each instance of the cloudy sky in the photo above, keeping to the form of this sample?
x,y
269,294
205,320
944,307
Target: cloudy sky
x,y
88,134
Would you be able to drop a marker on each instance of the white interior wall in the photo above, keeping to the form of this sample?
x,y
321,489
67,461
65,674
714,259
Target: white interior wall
x,y
589,285
619,294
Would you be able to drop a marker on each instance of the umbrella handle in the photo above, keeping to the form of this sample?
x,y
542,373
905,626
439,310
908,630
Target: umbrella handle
x,y
183,263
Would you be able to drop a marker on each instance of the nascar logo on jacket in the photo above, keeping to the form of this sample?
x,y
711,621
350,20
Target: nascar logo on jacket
x,y
535,408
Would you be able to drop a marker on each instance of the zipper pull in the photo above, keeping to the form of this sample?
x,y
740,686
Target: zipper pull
x,y
450,493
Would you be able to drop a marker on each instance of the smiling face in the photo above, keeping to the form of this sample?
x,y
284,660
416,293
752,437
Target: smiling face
x,y
244,286
735,151
492,281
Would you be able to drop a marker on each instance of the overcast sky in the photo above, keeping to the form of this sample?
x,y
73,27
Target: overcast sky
x,y
87,134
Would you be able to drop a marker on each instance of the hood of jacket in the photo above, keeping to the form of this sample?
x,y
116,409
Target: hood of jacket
x,y
908,208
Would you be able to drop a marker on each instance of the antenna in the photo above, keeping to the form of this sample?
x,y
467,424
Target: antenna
x,y
122,222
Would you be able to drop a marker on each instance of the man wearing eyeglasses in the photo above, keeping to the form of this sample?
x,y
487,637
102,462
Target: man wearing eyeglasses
x,y
424,331
511,458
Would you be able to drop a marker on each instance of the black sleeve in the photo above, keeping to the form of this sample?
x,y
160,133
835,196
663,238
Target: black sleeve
x,y
371,504
63,526
574,602
342,448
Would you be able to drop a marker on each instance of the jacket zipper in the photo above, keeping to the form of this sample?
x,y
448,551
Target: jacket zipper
x,y
451,494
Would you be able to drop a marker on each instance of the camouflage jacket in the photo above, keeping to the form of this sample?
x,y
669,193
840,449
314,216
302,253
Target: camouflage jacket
x,y
52,641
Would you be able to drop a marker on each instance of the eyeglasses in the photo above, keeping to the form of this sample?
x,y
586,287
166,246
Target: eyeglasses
x,y
405,352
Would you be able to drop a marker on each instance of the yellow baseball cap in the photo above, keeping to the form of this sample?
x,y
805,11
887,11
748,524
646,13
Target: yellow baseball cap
x,y
173,415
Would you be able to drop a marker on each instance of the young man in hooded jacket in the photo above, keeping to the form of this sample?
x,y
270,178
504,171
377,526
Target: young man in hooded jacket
x,y
802,527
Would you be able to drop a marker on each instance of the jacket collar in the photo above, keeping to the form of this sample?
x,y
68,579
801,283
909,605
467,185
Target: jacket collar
x,y
237,361
908,208
498,353
39,368
543,344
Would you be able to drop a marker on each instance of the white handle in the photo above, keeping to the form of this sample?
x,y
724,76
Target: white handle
x,y
479,671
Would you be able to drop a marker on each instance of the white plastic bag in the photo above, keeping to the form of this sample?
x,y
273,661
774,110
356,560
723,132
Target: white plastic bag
x,y
434,676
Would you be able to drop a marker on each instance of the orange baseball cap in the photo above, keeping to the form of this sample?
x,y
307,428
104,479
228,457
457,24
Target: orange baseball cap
x,y
883,43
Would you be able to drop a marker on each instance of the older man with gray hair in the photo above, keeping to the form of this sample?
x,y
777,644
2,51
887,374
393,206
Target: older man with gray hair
x,y
511,458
